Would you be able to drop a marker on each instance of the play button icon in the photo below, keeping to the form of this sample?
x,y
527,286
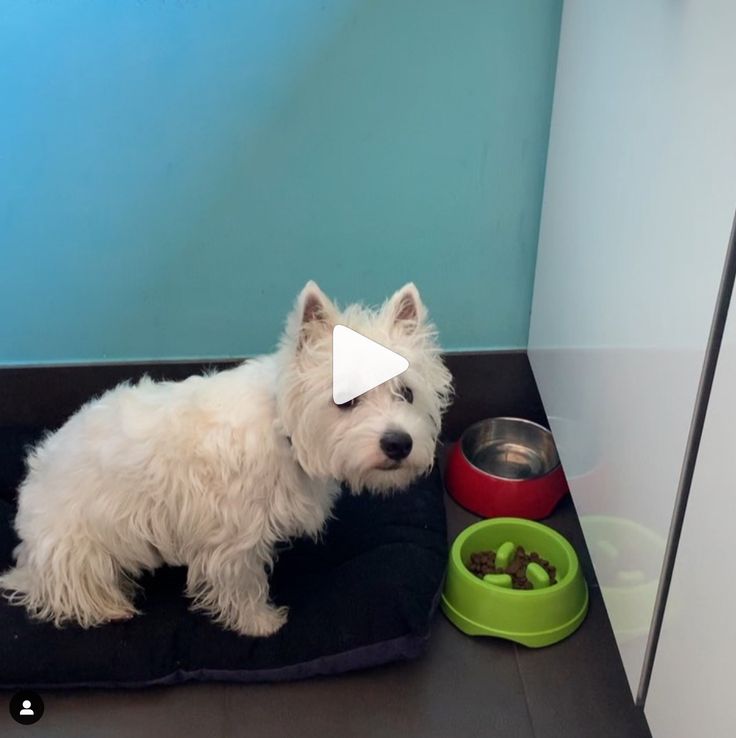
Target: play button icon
x,y
359,364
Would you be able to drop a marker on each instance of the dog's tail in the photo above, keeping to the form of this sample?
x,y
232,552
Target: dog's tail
x,y
77,582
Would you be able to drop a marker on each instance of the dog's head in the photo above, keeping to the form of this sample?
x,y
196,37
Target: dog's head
x,y
385,438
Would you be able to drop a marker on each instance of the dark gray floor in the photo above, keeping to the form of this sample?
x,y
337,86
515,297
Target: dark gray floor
x,y
463,687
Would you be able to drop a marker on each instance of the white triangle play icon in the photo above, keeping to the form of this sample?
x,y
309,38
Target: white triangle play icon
x,y
359,364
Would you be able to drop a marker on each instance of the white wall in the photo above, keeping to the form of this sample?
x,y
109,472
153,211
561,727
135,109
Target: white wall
x,y
691,692
639,196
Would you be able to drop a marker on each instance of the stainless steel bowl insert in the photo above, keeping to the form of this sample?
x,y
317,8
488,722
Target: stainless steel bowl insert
x,y
510,448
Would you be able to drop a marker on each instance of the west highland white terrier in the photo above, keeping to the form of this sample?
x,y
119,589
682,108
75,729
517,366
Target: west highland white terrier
x,y
213,471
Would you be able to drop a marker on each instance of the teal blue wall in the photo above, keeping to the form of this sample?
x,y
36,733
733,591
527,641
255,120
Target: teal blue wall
x,y
172,173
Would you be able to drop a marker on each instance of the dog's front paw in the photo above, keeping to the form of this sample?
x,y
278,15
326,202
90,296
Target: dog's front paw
x,y
262,621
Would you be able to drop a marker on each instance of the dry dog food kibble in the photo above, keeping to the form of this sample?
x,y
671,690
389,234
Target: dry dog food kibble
x,y
484,562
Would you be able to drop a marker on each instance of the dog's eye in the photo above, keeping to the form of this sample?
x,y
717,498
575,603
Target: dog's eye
x,y
349,404
407,394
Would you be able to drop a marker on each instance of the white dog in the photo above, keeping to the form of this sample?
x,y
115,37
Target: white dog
x,y
213,471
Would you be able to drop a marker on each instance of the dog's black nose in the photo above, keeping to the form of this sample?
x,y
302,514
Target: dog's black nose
x,y
396,444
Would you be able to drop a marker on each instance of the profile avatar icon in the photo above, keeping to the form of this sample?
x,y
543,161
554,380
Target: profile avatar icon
x,y
26,707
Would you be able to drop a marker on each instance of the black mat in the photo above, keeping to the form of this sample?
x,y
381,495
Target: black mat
x,y
362,597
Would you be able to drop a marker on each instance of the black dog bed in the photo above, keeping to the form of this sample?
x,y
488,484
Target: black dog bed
x,y
362,597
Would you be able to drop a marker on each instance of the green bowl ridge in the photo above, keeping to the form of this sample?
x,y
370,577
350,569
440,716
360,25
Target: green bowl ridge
x,y
536,617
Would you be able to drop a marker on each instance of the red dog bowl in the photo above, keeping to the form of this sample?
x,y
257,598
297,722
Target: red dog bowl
x,y
506,467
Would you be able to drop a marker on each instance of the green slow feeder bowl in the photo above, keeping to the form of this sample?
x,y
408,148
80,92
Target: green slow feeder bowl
x,y
536,617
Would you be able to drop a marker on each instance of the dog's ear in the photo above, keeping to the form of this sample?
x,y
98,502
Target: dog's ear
x,y
406,308
315,313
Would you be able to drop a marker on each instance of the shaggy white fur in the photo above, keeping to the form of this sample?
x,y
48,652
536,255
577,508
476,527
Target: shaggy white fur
x,y
213,471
